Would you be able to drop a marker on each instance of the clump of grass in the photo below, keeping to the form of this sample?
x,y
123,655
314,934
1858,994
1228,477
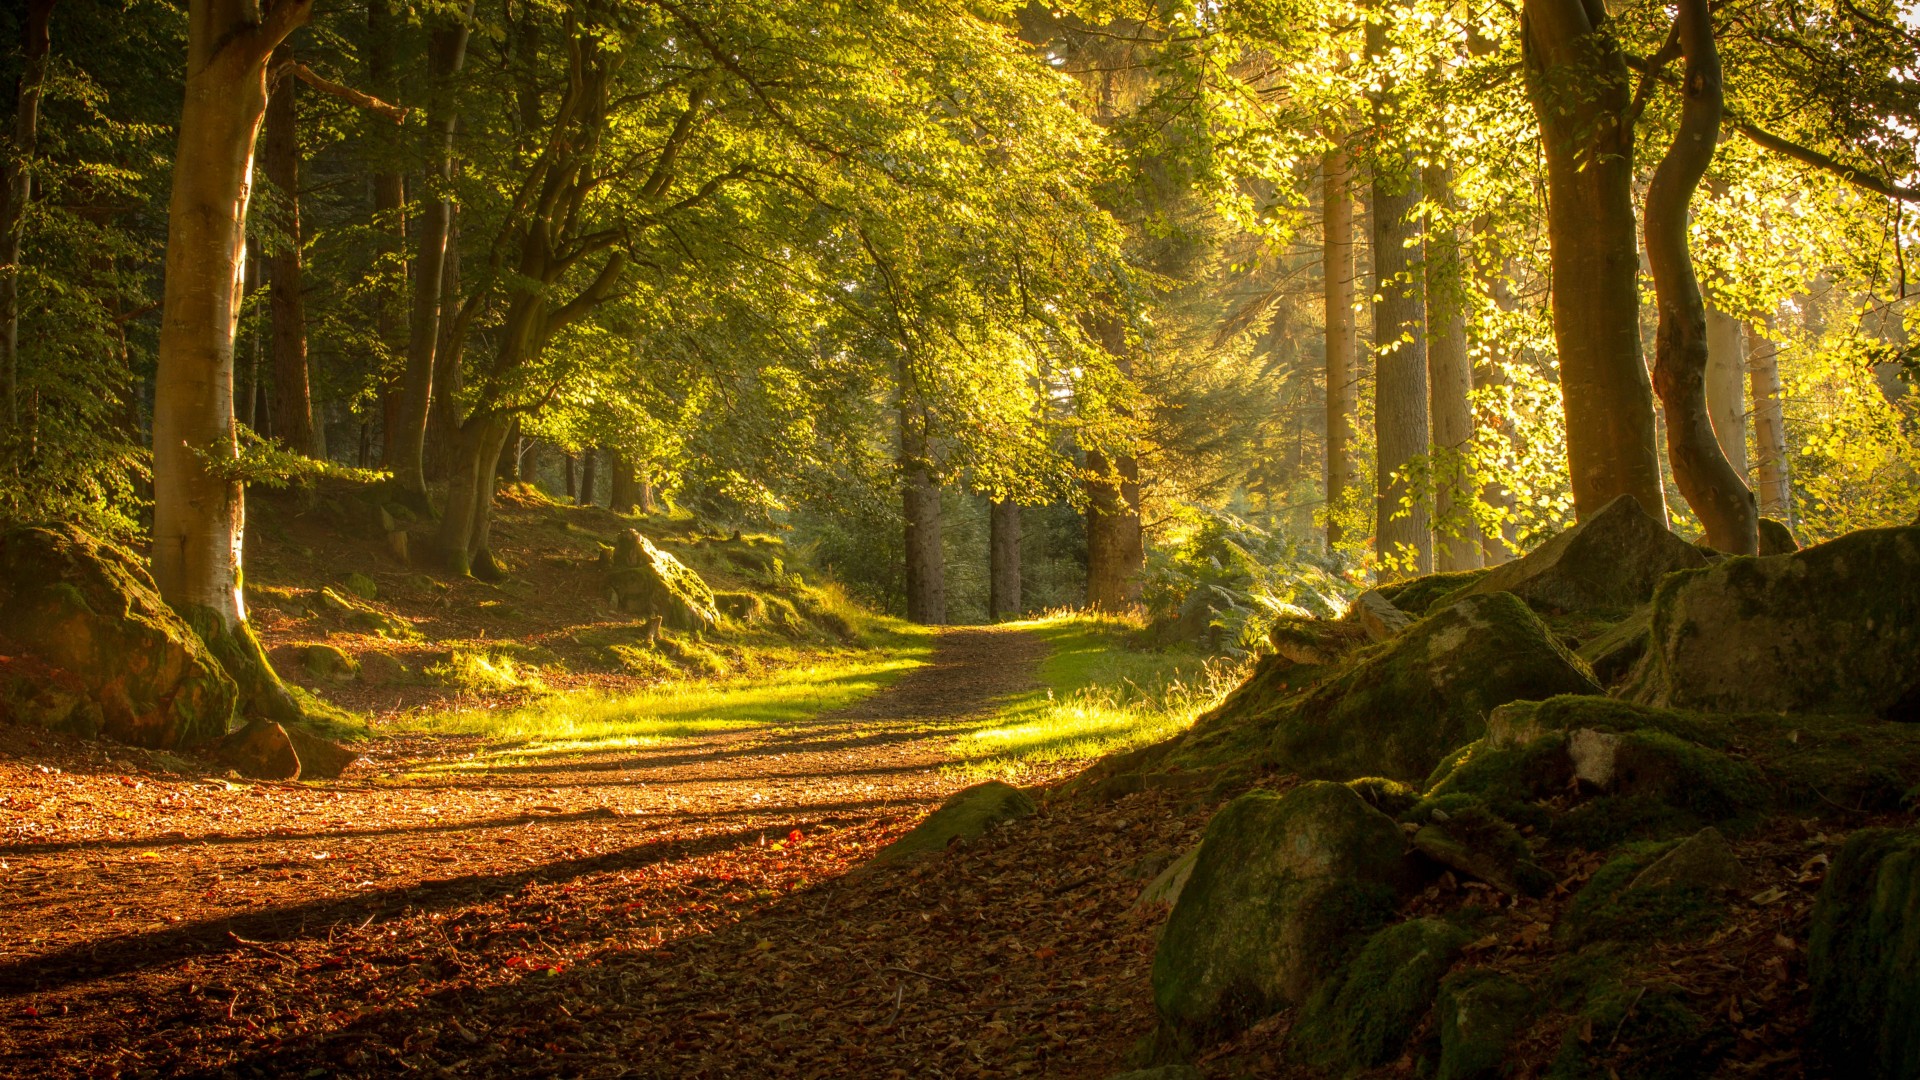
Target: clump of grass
x,y
1099,696
487,671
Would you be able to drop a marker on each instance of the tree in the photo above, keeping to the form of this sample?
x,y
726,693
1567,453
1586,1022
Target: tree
x,y
1711,486
1003,571
16,190
293,419
198,500
1577,80
1341,352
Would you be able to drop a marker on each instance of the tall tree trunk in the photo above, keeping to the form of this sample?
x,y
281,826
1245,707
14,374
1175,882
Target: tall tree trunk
x,y
1769,426
566,472
16,190
1577,79
1402,518
1449,388
586,476
646,491
1341,338
293,419
474,463
624,492
390,229
198,512
1726,386
443,409
1003,561
920,505
1717,494
1116,551
446,54
509,468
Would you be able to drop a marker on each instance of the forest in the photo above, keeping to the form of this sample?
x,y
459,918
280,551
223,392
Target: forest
x,y
1111,539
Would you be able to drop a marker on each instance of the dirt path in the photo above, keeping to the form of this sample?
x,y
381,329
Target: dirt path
x,y
473,924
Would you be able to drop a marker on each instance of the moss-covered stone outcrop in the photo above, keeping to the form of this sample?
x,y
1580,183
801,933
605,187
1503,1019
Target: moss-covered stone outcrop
x,y
1831,628
1398,709
967,813
644,580
1863,958
88,608
1280,885
1364,1016
1612,561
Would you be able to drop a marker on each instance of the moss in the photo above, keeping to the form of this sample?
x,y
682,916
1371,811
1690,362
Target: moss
x,y
1480,1013
1417,596
1365,1015
1390,797
1609,907
1666,786
1863,958
1471,839
691,655
966,814
1509,781
324,661
1280,888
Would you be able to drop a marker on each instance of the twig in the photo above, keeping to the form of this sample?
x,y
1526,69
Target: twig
x,y
899,994
1621,1026
922,974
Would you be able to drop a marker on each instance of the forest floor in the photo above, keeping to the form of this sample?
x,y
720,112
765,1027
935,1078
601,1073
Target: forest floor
x,y
681,908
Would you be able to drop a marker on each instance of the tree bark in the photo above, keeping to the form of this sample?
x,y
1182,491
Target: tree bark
x,y
390,227
1402,518
1116,549
1578,82
463,536
1726,386
568,476
645,490
293,419
1341,336
1717,494
624,494
587,479
16,191
1003,561
1449,389
198,510
446,54
1769,427
926,581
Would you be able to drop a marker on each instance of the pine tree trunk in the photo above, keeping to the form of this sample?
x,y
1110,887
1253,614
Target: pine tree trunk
x,y
1449,390
1726,386
586,476
16,190
920,505
1341,338
1402,519
1003,559
198,513
1717,494
1769,427
435,248
1580,88
293,419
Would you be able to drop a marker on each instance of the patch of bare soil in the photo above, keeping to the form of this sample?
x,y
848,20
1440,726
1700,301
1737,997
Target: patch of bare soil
x,y
671,910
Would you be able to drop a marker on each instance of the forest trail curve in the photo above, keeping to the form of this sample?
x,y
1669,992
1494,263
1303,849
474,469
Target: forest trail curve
x,y
131,899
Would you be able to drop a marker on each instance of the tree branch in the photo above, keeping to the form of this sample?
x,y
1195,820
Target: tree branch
x,y
365,101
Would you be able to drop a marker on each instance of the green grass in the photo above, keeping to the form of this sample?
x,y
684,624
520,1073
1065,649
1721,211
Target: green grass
x,y
590,721
1098,696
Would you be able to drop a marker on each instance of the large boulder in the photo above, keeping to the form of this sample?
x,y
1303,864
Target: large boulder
x,y
647,581
1863,958
1612,561
133,669
1363,1017
1398,710
1831,628
1279,886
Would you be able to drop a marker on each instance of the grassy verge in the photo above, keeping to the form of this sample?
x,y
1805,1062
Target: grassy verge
x,y
1098,696
591,721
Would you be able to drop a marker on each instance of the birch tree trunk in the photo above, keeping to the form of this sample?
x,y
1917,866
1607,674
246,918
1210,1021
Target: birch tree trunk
x,y
1769,427
1341,338
1577,79
1717,494
198,511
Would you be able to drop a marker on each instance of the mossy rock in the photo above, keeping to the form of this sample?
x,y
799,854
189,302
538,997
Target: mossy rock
x,y
361,586
381,624
1390,797
967,814
1649,772
1363,1017
328,662
1397,709
88,607
1652,1033
37,694
1165,888
381,669
1612,561
1481,1012
1280,886
1416,596
1614,651
747,608
1776,538
645,580
1616,904
1863,958
1471,840
260,750
1832,628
